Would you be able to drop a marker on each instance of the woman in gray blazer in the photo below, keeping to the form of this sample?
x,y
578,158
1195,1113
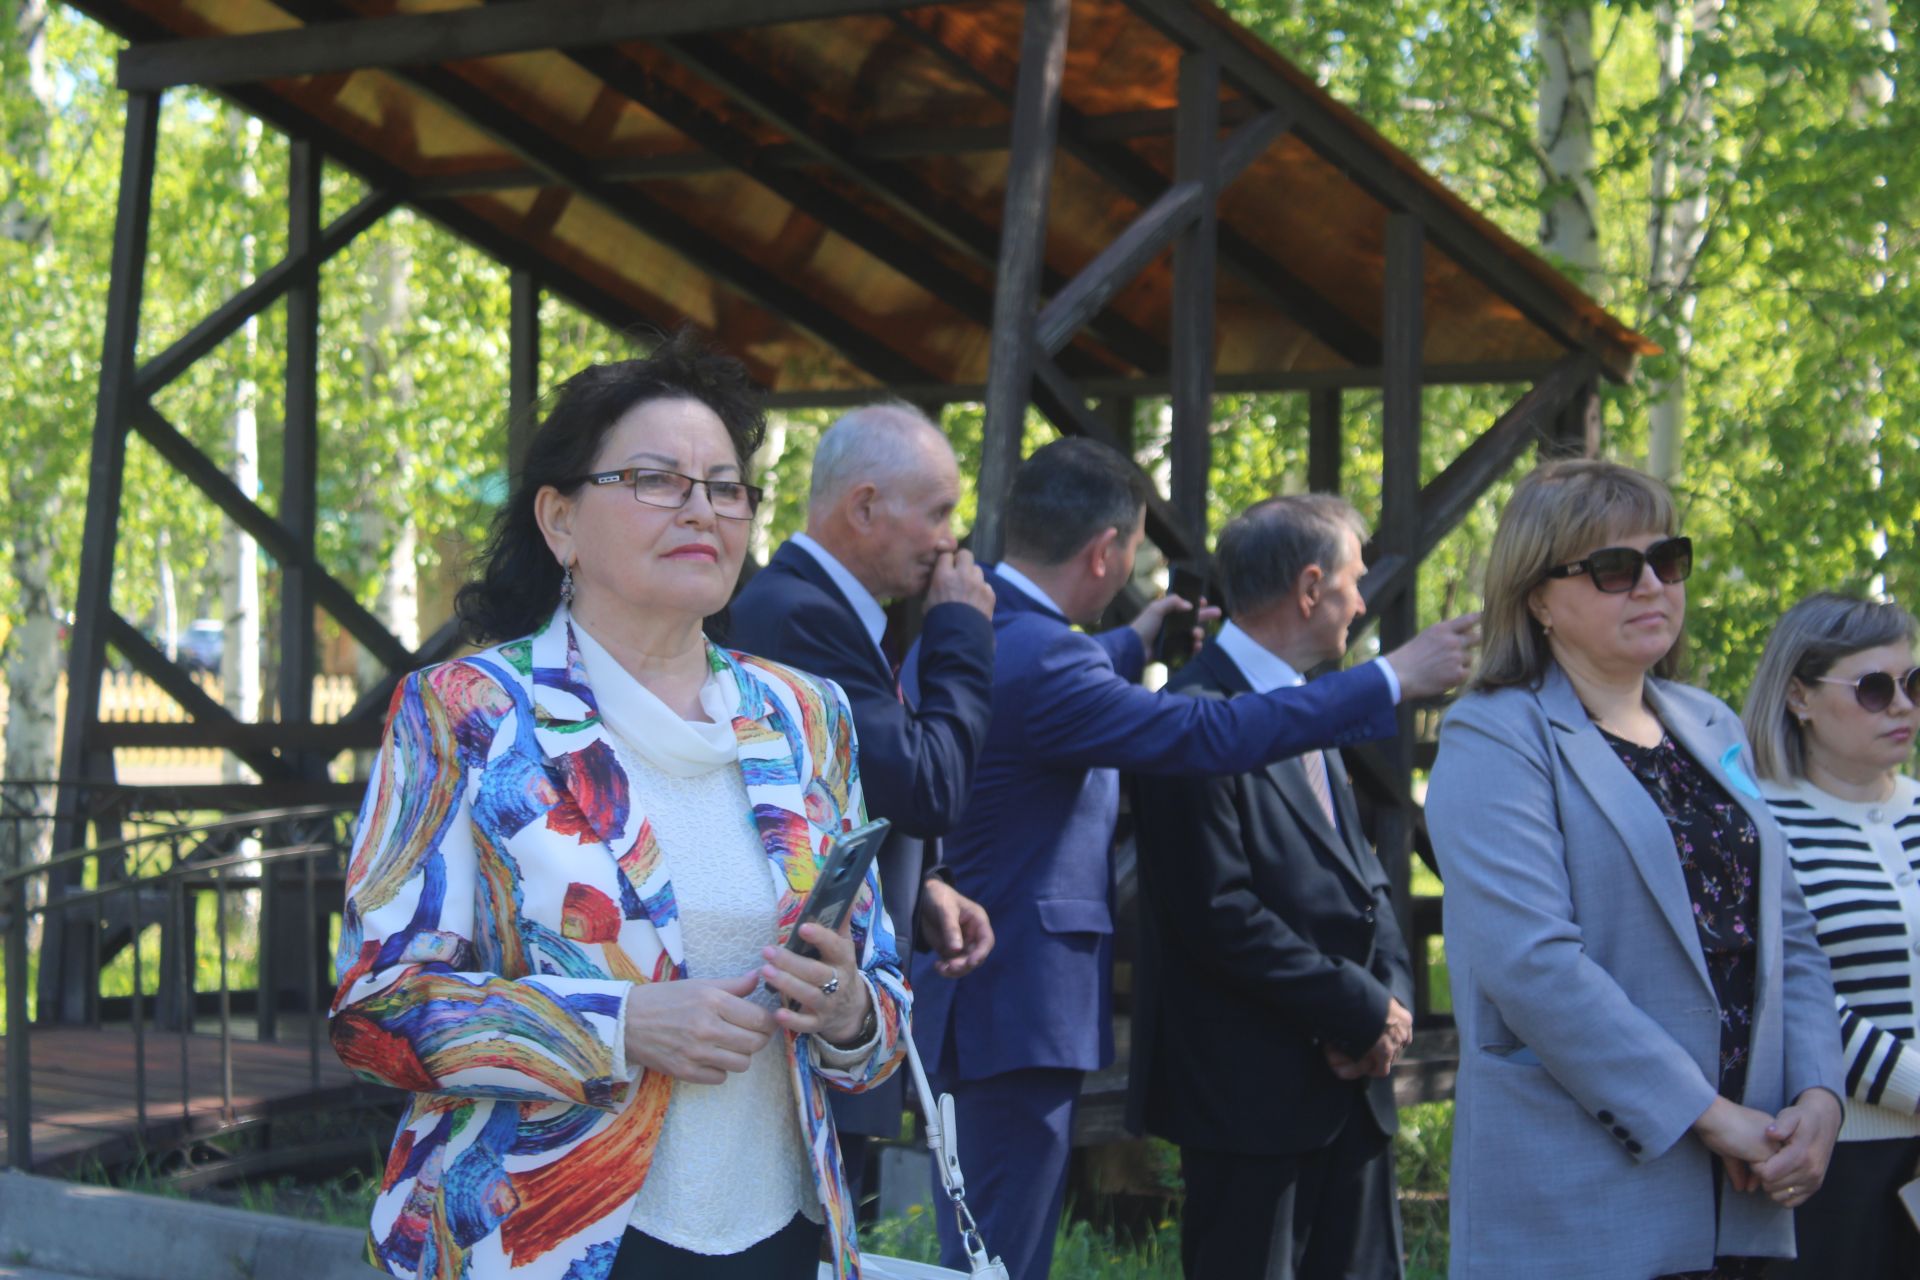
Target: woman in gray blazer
x,y
1649,1076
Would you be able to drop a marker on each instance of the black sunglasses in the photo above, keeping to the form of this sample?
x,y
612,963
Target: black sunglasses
x,y
1874,690
1615,570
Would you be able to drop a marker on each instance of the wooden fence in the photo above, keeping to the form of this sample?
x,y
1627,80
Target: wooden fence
x,y
129,696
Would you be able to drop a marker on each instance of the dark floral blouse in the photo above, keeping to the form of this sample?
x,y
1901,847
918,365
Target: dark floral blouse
x,y
1719,850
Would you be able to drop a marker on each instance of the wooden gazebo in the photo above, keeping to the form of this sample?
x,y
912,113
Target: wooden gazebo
x,y
1063,203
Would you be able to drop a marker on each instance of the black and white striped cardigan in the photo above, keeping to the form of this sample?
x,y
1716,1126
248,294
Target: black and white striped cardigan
x,y
1859,867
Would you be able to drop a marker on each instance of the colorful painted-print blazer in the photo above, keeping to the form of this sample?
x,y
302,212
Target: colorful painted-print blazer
x,y
505,895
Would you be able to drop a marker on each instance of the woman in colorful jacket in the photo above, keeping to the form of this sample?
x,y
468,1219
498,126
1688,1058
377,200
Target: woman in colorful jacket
x,y
579,853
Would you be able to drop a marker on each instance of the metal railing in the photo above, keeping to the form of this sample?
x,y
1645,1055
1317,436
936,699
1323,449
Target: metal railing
x,y
278,854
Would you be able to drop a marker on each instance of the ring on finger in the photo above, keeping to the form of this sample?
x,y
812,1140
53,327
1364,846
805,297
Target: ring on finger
x,y
830,986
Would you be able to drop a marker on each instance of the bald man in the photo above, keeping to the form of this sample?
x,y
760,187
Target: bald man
x,y
880,528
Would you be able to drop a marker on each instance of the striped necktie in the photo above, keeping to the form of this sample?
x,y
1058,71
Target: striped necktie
x,y
1316,763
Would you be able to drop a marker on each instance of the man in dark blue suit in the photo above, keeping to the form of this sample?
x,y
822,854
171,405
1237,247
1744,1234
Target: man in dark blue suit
x,y
1032,846
879,527
1273,988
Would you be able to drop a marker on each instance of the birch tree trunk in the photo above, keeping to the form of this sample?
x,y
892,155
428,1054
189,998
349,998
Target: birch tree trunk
x,y
240,681
767,475
390,393
1677,217
1569,226
1872,94
34,650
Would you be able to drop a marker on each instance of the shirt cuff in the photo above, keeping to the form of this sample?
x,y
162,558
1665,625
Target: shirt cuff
x,y
1393,681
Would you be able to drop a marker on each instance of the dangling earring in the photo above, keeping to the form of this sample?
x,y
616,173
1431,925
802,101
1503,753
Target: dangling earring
x,y
566,586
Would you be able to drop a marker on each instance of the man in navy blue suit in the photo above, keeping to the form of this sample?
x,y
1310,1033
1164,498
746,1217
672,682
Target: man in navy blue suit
x,y
1032,845
879,527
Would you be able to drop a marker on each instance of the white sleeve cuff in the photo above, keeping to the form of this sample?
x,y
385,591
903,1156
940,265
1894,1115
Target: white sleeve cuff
x,y
1393,681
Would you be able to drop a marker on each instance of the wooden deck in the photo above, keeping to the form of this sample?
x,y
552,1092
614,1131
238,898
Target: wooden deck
x,y
84,1104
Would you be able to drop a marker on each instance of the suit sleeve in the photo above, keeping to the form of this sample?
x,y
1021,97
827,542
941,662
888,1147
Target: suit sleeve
x,y
1492,811
1190,835
1078,710
415,1010
917,761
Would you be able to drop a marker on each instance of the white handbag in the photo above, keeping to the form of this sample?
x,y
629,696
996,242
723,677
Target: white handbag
x,y
944,1147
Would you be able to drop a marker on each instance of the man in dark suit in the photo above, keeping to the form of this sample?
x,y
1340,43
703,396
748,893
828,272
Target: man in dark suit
x,y
1273,989
1013,1041
879,527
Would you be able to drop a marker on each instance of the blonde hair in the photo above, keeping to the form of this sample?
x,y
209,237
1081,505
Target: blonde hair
x,y
1558,513
1806,642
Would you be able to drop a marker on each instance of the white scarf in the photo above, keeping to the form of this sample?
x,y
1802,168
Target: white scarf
x,y
651,729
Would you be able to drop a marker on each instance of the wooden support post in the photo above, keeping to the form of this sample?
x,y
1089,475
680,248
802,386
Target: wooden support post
x,y
1403,332
1196,140
1326,447
301,442
64,952
282,958
1023,242
1118,413
523,368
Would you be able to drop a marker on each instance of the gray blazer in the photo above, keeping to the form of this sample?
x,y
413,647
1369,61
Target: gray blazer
x,y
1589,1034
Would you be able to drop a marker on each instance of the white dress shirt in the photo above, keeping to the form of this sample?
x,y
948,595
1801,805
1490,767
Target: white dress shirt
x,y
872,616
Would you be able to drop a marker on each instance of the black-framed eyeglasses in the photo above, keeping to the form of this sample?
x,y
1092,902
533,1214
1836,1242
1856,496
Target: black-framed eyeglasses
x,y
1874,690
1615,570
730,499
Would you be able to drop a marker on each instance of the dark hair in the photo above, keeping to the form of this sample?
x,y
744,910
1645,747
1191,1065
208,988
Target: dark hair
x,y
1067,494
1262,552
517,583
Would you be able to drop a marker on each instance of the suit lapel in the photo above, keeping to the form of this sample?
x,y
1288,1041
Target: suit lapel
x,y
1356,841
1289,776
1628,808
800,562
1718,743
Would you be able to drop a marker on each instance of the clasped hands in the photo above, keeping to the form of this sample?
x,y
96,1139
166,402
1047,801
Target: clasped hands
x,y
701,1029
1785,1155
1379,1059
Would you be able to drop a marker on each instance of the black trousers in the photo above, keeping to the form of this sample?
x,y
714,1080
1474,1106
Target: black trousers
x,y
791,1253
1330,1214
1855,1226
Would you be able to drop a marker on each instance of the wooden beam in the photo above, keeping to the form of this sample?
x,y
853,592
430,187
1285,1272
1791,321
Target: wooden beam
x,y
1152,229
1023,223
179,686
67,954
1140,243
1326,446
1403,328
275,539
1388,178
300,450
321,740
881,144
106,468
727,265
1195,268
1127,172
894,185
414,39
1447,498
523,367
371,706
1516,372
262,292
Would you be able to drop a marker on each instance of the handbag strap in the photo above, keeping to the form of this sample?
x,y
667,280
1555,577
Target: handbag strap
x,y
945,1147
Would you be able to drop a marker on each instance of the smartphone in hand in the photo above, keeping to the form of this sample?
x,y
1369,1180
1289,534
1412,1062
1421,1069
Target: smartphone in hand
x,y
838,883
1175,642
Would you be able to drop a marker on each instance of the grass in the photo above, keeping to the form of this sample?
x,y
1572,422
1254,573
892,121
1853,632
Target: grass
x,y
1082,1251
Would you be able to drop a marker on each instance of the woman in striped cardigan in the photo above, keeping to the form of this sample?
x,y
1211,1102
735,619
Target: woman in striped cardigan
x,y
1832,720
